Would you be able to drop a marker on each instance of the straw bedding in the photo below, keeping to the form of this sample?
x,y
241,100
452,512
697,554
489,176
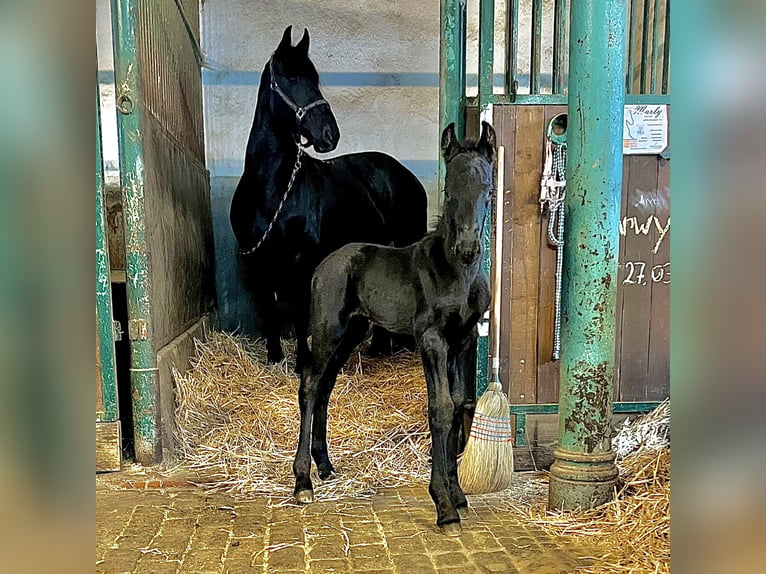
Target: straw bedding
x,y
238,426
632,532
238,421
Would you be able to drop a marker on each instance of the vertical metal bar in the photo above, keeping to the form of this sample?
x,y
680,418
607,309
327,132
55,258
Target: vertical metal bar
x,y
666,50
104,292
631,47
644,46
512,45
584,473
559,45
462,69
486,52
143,365
451,71
486,74
537,43
655,45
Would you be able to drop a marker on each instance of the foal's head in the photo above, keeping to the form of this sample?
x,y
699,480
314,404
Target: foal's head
x,y
469,185
295,91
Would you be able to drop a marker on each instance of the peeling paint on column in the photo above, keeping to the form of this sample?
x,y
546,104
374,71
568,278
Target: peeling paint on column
x,y
584,473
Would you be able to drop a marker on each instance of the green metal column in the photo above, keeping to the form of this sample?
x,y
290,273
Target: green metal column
x,y
584,474
143,364
104,293
451,71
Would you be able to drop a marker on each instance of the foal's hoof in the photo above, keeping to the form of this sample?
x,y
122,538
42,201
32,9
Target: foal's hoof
x,y
462,512
327,475
452,529
305,496
275,357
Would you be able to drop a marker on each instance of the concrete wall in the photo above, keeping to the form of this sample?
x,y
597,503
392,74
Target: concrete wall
x,y
378,64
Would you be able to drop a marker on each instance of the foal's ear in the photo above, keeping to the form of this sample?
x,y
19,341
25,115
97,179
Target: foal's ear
x,y
450,144
487,142
287,39
303,45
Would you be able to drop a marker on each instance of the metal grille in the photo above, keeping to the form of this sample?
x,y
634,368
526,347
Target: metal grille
x,y
170,69
517,51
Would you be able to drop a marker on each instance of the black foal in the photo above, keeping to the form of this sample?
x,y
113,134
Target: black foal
x,y
435,290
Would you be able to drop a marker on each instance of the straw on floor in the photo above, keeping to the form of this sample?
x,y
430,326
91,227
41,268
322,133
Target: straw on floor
x,y
238,422
632,532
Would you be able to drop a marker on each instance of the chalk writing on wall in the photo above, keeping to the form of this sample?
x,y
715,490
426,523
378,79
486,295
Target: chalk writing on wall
x,y
637,273
643,228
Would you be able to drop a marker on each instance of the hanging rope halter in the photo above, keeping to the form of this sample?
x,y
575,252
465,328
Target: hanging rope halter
x,y
300,112
552,193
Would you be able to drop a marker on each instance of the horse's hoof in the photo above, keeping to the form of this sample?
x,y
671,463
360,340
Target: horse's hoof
x,y
327,475
462,512
452,529
305,496
275,357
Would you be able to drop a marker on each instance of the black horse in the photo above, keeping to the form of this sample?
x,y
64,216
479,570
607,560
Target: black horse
x,y
435,290
290,210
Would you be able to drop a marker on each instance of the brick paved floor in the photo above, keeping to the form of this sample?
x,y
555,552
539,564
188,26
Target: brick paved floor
x,y
172,527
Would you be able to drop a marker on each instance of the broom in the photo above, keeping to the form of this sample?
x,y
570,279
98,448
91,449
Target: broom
x,y
487,462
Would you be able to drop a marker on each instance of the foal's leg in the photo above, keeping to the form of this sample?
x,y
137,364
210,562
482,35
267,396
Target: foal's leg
x,y
463,390
304,491
356,331
434,350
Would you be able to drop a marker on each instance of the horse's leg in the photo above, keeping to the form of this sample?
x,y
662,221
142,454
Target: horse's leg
x,y
304,490
462,373
434,350
380,345
467,371
355,332
269,314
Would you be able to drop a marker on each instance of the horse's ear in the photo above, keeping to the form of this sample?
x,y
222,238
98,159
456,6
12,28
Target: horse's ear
x,y
488,141
449,142
303,45
287,39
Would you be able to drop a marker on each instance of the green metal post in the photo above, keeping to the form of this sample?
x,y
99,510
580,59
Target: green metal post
x,y
512,42
644,47
451,71
559,42
537,46
143,363
104,293
486,76
584,474
655,44
666,50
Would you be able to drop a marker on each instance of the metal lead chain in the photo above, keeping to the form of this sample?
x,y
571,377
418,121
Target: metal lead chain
x,y
290,183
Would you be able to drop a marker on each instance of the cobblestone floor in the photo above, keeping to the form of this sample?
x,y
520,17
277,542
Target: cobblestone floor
x,y
152,527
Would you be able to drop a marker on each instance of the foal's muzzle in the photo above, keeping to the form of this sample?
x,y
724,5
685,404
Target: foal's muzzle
x,y
468,250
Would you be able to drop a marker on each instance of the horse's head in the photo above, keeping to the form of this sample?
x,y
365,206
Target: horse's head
x,y
468,189
296,98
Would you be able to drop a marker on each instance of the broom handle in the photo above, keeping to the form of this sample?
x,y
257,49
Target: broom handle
x,y
498,267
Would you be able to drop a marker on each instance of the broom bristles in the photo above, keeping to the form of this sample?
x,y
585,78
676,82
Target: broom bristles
x,y
487,463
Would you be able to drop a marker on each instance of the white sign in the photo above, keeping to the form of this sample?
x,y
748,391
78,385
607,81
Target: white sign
x,y
645,129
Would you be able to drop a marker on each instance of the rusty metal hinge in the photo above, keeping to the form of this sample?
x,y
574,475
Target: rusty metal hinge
x,y
117,330
138,329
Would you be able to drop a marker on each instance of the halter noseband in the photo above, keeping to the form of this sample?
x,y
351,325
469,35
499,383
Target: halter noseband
x,y
300,111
